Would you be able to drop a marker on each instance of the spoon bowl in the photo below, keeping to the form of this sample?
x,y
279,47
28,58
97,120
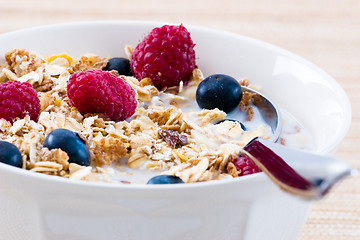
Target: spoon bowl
x,y
301,173
268,111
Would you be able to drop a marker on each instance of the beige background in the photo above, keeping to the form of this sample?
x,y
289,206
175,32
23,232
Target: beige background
x,y
326,32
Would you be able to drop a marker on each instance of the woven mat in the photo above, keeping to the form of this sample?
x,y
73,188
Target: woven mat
x,y
337,216
326,32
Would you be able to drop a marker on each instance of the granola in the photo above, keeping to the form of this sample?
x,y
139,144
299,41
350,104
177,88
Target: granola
x,y
168,134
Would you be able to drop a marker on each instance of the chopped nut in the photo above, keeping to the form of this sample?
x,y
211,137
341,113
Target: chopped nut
x,y
244,82
46,85
145,82
231,169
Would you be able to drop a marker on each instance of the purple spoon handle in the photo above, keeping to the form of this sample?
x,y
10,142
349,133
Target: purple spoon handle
x,y
305,174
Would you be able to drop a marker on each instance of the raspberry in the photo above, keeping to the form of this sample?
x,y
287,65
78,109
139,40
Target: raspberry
x,y
97,91
245,165
18,100
166,56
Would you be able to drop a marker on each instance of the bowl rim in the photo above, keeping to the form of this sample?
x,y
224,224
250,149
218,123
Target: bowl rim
x,y
330,148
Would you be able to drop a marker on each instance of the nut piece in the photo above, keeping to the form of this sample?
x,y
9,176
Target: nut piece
x,y
231,169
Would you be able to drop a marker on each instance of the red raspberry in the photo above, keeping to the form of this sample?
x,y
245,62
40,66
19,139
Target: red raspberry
x,y
166,56
97,91
18,100
245,165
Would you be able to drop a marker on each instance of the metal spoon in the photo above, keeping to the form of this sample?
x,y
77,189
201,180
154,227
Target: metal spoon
x,y
305,174
268,111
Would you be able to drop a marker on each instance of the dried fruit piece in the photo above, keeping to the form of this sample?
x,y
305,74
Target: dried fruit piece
x,y
173,138
62,55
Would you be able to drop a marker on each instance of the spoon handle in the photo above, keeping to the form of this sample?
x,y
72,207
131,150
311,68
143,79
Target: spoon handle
x,y
301,173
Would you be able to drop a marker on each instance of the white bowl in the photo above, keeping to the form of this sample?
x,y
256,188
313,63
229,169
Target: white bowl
x,y
37,206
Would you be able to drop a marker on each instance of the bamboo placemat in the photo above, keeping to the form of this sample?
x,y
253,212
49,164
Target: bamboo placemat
x,y
326,32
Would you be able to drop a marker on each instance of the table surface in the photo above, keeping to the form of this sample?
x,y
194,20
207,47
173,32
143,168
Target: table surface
x,y
326,32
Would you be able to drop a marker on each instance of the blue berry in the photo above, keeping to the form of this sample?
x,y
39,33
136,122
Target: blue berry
x,y
165,179
219,91
232,120
121,65
71,143
10,154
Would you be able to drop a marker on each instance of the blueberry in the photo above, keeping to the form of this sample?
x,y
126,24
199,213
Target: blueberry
x,y
71,143
219,91
10,154
165,179
121,65
232,120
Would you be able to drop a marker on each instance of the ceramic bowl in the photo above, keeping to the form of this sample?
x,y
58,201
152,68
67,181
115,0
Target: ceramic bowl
x,y
37,206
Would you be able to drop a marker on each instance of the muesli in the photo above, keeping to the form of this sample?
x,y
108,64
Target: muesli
x,y
167,133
